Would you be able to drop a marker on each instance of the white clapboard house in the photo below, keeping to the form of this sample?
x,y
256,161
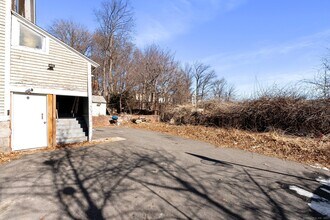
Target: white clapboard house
x,y
45,85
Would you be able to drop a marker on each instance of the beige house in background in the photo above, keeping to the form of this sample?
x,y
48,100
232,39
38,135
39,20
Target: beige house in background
x,y
45,85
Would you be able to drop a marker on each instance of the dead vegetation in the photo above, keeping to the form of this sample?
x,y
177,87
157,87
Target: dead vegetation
x,y
101,121
300,149
295,116
286,127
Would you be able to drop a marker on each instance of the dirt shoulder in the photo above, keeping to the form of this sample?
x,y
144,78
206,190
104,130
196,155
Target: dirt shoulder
x,y
312,151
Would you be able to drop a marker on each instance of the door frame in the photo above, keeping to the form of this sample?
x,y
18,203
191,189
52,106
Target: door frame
x,y
51,120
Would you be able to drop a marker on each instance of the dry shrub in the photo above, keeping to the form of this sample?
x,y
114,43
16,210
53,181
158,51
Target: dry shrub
x,y
290,115
294,116
184,115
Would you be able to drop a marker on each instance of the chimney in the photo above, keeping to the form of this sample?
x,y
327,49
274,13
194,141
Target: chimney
x,y
26,8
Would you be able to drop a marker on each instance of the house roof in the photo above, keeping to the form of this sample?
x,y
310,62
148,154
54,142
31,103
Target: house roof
x,y
29,23
98,99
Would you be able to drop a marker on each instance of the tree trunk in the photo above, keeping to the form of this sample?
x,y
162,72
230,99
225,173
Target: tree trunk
x,y
120,103
111,80
105,91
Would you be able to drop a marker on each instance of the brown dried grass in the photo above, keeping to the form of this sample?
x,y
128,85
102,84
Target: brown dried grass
x,y
101,121
300,149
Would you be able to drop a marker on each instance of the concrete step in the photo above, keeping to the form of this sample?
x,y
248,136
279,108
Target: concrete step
x,y
71,130
69,121
71,126
67,128
71,137
70,133
71,140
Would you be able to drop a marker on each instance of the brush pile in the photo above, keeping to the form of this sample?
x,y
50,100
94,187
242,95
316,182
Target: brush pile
x,y
299,117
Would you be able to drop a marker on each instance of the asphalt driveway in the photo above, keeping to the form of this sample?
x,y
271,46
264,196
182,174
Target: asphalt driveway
x,y
155,176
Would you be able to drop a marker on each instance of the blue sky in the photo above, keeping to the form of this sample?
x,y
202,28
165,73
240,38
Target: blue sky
x,y
248,42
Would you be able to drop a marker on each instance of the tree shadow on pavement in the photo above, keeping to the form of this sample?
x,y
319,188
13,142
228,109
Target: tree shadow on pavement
x,y
231,164
322,191
121,182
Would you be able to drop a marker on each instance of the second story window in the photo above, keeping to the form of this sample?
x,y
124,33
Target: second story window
x,y
29,38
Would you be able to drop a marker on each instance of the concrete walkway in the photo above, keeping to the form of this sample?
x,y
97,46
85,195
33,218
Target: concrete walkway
x,y
154,176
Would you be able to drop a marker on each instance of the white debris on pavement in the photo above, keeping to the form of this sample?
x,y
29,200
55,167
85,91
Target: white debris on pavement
x,y
303,192
109,139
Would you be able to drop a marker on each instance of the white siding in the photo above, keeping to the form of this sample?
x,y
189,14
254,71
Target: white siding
x,y
29,69
2,55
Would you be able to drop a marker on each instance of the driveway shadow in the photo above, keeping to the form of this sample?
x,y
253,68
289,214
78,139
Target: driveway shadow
x,y
124,182
320,197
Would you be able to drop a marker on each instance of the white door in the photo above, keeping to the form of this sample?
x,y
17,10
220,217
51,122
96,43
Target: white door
x,y
29,121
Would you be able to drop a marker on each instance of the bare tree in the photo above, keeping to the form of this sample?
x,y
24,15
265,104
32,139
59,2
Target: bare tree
x,y
321,82
73,34
203,77
182,87
122,83
222,91
116,23
155,65
158,79
230,93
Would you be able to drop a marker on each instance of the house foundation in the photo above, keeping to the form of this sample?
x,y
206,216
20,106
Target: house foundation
x,y
5,136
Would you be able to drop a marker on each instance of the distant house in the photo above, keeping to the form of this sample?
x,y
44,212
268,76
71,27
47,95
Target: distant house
x,y
99,105
45,85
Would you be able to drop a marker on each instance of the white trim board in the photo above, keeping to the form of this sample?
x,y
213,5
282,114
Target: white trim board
x,y
7,57
48,91
90,106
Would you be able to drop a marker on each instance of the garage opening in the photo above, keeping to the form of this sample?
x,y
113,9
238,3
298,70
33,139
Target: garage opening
x,y
71,106
72,119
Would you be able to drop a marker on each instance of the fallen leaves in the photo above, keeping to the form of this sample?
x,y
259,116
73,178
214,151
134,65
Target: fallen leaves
x,y
301,149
